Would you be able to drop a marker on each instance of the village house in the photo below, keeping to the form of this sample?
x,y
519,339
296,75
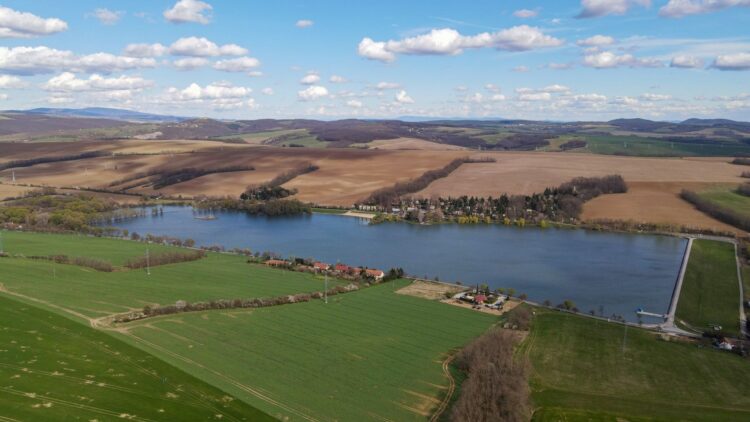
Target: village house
x,y
342,268
321,266
276,263
376,274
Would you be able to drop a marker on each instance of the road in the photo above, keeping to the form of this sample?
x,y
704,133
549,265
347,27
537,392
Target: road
x,y
668,325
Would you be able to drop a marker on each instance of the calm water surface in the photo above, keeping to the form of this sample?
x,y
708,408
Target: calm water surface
x,y
619,272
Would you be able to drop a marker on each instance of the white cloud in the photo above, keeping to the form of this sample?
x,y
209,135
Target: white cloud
x,y
15,24
492,88
3,96
535,96
447,41
336,79
387,85
654,97
526,13
312,93
597,8
38,60
354,104
267,91
560,66
68,82
596,41
146,50
607,59
240,64
10,82
189,63
739,61
304,23
106,16
189,11
403,98
255,74
589,98
555,88
202,47
215,91
310,79
56,99
521,69
681,8
686,62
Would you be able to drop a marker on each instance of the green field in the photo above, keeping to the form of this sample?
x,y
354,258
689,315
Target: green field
x,y
52,368
366,355
710,291
96,294
369,355
639,146
728,198
589,370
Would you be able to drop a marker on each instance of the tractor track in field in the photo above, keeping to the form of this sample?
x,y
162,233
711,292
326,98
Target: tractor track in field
x,y
451,389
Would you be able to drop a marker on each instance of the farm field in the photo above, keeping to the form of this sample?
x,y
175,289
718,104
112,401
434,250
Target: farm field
x,y
654,203
727,197
52,368
89,294
367,355
584,369
645,147
710,291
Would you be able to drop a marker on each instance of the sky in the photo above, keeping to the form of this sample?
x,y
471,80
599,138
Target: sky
x,y
330,59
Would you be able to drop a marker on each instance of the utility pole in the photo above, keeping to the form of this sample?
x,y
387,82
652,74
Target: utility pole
x,y
148,264
1,242
325,292
14,175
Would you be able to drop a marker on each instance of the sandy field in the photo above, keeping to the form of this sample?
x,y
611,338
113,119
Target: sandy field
x,y
12,191
428,290
411,143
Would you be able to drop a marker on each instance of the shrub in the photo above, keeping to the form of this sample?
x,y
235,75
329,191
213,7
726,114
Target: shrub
x,y
741,161
163,258
496,387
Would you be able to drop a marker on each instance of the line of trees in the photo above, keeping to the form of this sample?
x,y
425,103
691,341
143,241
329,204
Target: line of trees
x,y
183,306
741,161
271,208
744,189
43,160
173,177
386,196
163,258
719,212
273,189
496,387
82,261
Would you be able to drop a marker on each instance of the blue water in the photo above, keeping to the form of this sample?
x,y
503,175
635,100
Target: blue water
x,y
619,272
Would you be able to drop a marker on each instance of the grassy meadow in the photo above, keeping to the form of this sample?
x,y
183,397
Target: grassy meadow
x,y
590,370
728,198
52,368
651,147
710,291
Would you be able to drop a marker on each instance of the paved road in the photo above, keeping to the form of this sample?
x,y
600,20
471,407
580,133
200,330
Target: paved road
x,y
668,325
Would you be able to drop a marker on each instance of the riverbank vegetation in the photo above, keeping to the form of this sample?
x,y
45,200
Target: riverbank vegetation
x,y
586,369
561,204
270,208
710,291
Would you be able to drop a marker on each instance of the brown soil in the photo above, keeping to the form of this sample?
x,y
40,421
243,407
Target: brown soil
x,y
429,290
411,144
654,202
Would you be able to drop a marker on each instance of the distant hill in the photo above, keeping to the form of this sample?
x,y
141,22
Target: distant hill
x,y
104,113
30,123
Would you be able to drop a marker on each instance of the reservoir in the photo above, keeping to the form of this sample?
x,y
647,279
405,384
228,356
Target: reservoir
x,y
609,273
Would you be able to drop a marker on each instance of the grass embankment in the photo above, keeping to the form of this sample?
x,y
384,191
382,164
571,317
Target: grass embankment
x,y
372,354
584,369
728,198
52,368
710,291
96,294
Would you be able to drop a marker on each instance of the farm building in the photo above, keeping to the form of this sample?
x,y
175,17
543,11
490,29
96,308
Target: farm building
x,y
321,266
276,263
376,274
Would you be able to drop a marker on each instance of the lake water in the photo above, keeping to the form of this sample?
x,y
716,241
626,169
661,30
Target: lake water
x,y
615,271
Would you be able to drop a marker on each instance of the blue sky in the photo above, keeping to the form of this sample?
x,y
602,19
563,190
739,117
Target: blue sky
x,y
557,60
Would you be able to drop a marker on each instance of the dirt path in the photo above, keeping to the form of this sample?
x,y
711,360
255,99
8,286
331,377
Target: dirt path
x,y
451,389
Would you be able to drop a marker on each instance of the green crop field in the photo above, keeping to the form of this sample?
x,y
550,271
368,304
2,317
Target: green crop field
x,y
96,294
710,291
367,355
728,198
52,368
590,370
639,146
